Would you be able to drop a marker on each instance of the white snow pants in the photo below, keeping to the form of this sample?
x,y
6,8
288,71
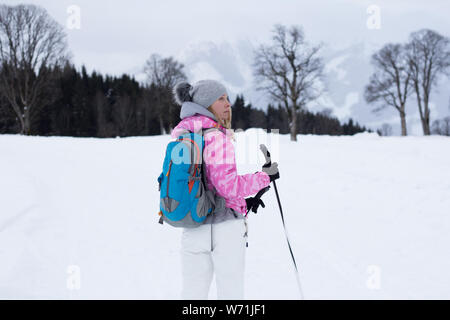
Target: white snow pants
x,y
214,248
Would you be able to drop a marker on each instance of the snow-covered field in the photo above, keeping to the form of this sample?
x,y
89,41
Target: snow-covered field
x,y
368,218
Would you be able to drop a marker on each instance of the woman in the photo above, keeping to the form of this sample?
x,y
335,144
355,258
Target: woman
x,y
217,246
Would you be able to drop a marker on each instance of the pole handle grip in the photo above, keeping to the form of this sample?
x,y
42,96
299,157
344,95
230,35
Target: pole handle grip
x,y
266,154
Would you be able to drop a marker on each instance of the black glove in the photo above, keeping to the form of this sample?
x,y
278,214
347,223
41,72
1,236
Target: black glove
x,y
253,204
272,170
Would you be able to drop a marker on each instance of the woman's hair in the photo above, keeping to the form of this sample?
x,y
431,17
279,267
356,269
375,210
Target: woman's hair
x,y
226,123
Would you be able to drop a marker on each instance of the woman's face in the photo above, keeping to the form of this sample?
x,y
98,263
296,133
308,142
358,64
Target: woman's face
x,y
222,107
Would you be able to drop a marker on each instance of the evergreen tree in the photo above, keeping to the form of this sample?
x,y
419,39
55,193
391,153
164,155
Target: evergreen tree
x,y
105,106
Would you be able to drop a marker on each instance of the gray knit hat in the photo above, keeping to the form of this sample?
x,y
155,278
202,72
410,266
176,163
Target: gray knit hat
x,y
203,92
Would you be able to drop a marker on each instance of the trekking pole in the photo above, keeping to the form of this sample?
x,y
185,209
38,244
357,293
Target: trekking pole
x,y
268,162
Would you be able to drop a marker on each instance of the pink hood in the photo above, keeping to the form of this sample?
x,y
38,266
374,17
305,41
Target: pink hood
x,y
194,123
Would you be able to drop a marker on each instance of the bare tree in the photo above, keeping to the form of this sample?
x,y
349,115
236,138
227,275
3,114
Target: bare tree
x,y
391,80
164,73
32,44
428,57
288,71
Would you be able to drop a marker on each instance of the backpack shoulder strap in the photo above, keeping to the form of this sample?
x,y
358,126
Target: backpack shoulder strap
x,y
204,131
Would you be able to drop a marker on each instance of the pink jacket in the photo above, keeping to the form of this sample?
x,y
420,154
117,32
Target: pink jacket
x,y
220,164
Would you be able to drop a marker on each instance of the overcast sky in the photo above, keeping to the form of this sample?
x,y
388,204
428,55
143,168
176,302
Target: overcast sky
x,y
117,36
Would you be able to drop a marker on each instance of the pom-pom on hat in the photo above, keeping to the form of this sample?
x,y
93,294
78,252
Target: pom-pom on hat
x,y
203,92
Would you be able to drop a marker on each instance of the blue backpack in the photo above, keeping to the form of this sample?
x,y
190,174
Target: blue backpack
x,y
185,200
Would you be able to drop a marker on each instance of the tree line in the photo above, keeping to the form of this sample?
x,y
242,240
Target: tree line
x,y
42,93
103,106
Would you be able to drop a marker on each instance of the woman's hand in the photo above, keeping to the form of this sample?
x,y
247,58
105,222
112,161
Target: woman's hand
x,y
253,204
272,170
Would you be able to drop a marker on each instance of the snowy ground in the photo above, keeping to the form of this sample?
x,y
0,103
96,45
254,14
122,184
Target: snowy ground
x,y
368,218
